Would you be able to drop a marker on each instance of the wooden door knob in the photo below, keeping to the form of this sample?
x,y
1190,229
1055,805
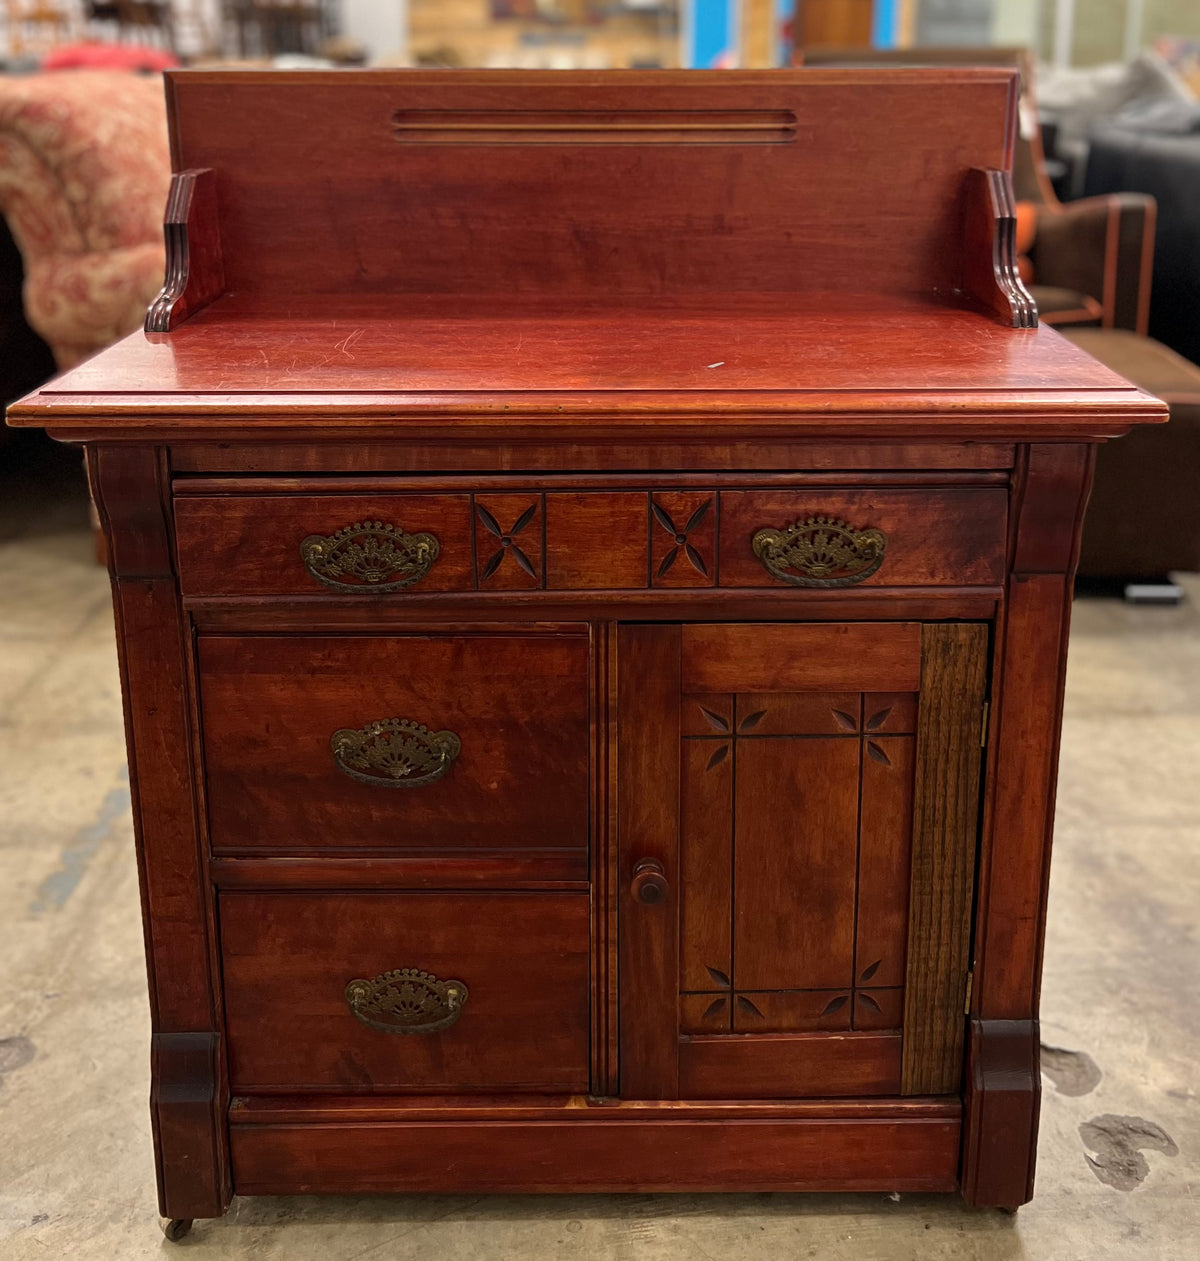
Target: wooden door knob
x,y
649,884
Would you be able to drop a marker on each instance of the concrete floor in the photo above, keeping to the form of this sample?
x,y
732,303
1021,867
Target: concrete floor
x,y
1119,1173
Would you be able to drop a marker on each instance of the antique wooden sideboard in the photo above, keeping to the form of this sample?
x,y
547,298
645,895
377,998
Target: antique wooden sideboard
x,y
592,558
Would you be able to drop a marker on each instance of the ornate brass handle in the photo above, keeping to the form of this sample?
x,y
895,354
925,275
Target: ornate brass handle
x,y
406,1001
394,753
649,883
820,552
369,555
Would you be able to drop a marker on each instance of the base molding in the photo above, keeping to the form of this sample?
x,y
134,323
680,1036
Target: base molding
x,y
601,1148
1003,1099
187,1114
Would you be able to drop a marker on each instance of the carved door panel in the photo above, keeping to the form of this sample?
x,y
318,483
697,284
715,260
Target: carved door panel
x,y
797,813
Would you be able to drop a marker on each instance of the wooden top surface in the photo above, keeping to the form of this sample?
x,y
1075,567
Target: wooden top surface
x,y
895,366
517,256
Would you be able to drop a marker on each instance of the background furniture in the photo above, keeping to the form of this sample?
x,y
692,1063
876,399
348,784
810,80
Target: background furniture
x,y
623,822
268,28
84,171
25,359
1143,519
1157,154
143,21
1073,99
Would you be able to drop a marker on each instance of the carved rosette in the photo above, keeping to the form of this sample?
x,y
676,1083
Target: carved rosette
x,y
820,552
394,753
406,1001
680,538
369,555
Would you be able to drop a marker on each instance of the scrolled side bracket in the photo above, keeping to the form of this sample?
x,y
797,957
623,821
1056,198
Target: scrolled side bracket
x,y
195,274
990,274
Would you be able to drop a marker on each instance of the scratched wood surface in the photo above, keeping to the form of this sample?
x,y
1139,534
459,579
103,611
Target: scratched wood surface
x,y
454,356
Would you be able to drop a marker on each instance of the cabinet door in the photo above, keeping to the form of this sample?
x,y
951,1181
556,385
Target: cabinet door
x,y
798,813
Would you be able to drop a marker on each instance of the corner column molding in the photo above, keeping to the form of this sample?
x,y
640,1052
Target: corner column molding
x,y
189,1091
1050,490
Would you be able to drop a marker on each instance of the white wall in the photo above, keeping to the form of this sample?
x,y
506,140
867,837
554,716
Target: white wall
x,y
381,26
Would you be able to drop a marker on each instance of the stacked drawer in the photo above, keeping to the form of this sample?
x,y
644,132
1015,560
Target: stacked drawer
x,y
447,755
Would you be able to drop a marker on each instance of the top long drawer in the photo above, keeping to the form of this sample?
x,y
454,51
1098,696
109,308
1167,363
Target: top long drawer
x,y
389,544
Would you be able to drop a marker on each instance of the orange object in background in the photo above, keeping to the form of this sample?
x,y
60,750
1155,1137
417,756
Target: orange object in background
x,y
98,56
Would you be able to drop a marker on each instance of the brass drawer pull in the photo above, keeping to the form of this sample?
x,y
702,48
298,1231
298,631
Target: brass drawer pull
x,y
820,552
406,1001
369,556
394,753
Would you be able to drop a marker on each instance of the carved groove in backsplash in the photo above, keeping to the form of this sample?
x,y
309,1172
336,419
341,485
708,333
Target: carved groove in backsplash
x,y
623,127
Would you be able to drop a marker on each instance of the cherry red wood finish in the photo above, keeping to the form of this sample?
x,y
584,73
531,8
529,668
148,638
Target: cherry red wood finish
x,y
934,460
879,656
824,887
780,1065
301,1109
708,833
244,546
517,704
1000,1140
951,537
524,539
461,869
630,373
586,1152
648,680
288,957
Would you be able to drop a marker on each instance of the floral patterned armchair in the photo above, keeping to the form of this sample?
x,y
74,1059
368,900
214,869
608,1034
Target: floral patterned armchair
x,y
84,170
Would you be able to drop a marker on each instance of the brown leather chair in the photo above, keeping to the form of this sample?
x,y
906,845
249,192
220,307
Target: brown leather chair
x,y
1091,262
1143,520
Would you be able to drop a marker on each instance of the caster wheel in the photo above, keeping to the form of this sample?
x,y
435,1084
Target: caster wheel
x,y
175,1227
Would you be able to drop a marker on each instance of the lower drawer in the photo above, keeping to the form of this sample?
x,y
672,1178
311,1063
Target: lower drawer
x,y
406,991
